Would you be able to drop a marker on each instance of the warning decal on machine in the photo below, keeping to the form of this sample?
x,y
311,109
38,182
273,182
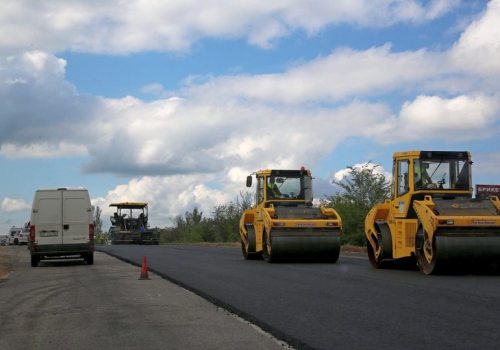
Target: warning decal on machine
x,y
305,224
482,222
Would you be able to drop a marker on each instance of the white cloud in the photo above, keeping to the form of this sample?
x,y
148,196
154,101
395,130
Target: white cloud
x,y
12,81
432,117
216,130
167,197
342,74
42,114
478,49
13,204
182,136
155,89
97,26
44,150
377,169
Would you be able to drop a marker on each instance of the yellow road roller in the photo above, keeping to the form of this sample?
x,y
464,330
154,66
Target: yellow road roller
x,y
284,225
432,218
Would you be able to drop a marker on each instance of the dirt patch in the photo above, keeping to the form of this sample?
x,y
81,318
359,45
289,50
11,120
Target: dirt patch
x,y
353,249
5,260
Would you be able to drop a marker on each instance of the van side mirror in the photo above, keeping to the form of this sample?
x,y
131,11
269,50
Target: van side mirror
x,y
249,181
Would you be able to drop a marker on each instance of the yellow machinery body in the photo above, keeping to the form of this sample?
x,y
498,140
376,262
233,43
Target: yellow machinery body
x,y
283,225
432,218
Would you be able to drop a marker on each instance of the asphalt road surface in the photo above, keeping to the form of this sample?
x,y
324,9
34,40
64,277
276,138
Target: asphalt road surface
x,y
71,305
347,305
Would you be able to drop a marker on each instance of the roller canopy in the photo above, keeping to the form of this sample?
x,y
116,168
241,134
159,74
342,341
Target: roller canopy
x,y
129,205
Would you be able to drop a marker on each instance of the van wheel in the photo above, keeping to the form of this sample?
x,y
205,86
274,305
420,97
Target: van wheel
x,y
35,259
89,259
16,241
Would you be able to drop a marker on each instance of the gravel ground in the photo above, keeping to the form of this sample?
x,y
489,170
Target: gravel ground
x,y
7,258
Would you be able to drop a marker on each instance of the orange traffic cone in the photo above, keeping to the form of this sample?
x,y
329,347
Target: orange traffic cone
x,y
144,271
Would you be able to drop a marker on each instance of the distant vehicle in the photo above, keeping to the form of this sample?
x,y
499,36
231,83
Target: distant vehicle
x,y
22,236
16,237
431,218
284,225
3,241
11,237
61,225
130,224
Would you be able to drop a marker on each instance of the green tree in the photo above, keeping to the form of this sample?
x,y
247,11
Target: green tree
x,y
360,190
226,218
99,236
222,227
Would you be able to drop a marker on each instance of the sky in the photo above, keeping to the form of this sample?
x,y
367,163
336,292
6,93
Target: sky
x,y
174,103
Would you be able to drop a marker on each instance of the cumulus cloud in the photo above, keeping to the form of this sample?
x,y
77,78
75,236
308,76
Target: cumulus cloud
x,y
377,169
49,149
14,204
168,197
195,146
342,74
43,114
478,49
191,138
97,26
169,136
455,119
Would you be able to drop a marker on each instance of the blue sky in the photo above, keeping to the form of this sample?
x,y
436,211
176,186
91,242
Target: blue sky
x,y
174,103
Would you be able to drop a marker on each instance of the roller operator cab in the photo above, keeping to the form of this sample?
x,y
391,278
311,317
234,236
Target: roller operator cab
x,y
431,217
284,225
61,225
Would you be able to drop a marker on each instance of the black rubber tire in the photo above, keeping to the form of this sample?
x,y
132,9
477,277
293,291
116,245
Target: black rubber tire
x,y
371,257
16,241
386,253
250,254
421,241
267,251
89,258
247,255
35,259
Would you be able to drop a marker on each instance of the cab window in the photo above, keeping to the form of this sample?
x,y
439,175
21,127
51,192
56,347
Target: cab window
x,y
403,177
260,189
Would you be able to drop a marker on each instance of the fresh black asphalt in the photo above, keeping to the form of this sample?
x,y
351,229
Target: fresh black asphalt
x,y
347,305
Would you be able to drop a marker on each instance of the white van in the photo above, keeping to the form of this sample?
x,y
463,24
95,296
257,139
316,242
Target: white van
x,y
12,238
22,237
61,225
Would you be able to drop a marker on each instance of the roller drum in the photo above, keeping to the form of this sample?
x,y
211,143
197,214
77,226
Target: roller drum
x,y
321,245
467,245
